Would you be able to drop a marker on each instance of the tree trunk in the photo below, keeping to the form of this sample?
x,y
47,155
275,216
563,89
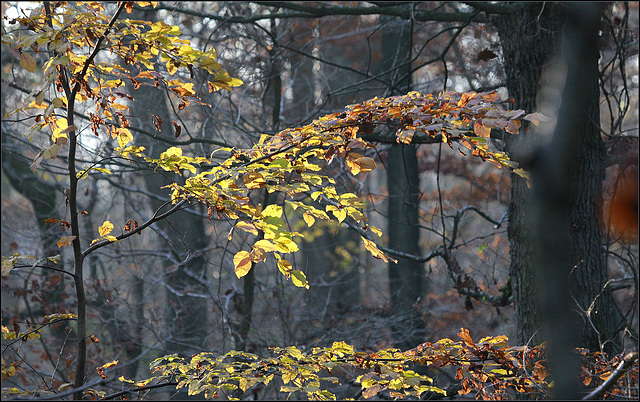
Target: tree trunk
x,y
529,40
185,316
567,176
407,277
327,249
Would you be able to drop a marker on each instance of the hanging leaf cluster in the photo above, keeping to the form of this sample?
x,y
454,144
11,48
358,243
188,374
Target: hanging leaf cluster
x,y
74,34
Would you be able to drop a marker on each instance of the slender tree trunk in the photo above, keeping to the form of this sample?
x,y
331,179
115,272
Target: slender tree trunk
x,y
407,277
186,316
333,275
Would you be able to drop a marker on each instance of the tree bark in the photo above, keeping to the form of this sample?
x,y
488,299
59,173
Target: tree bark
x,y
529,39
185,316
567,177
407,277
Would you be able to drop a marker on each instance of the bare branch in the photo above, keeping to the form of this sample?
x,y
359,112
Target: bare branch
x,y
624,365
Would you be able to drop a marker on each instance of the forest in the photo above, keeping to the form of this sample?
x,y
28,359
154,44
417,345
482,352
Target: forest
x,y
292,200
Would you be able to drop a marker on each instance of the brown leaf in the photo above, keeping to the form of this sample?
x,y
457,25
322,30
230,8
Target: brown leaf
x,y
622,212
486,54
178,129
366,128
466,337
157,121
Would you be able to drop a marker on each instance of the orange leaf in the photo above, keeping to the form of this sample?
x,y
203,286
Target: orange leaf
x,y
65,241
481,130
466,337
405,136
622,212
465,98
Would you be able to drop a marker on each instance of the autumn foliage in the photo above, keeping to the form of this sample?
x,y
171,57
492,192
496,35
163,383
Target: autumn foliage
x,y
65,43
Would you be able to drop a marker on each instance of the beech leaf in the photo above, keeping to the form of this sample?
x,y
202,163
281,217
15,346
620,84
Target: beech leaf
x,y
28,62
105,228
242,263
65,241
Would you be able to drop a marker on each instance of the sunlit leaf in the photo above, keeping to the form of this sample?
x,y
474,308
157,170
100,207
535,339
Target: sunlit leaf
x,y
299,279
405,136
481,130
285,267
466,337
308,218
375,252
105,228
247,227
272,210
265,245
65,241
242,263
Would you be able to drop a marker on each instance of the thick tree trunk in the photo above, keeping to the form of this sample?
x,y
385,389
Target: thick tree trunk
x,y
526,45
567,175
406,278
529,40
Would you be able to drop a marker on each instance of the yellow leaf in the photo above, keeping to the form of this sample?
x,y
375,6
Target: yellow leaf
x,y
353,166
285,267
254,180
288,376
111,364
265,245
105,228
286,245
147,3
375,252
309,219
171,67
272,210
247,227
340,214
242,263
405,136
375,230
65,241
171,152
258,255
59,136
184,89
124,136
299,279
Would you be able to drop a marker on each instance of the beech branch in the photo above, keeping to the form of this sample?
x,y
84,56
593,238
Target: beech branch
x,y
624,365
